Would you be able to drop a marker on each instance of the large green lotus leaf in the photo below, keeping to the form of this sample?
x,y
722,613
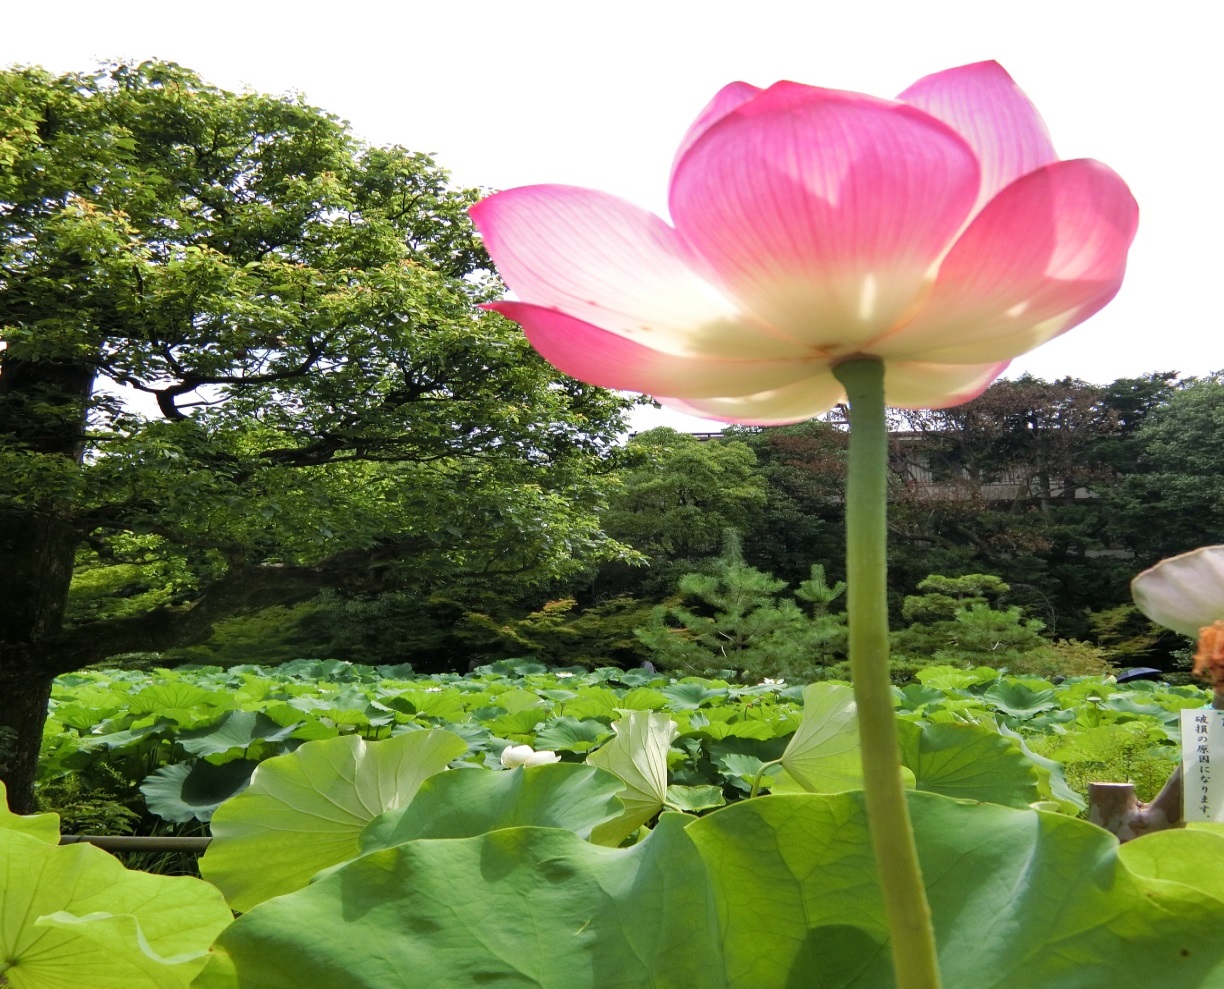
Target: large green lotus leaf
x,y
775,893
1019,699
954,678
464,803
74,916
566,734
436,704
518,699
177,694
84,717
1051,777
521,724
235,730
594,702
823,755
1020,900
685,694
643,699
638,755
718,730
523,908
44,827
1192,857
304,811
968,762
694,799
914,696
117,740
192,791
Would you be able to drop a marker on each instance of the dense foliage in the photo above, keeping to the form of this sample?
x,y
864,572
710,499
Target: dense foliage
x,y
319,401
190,738
1064,518
652,830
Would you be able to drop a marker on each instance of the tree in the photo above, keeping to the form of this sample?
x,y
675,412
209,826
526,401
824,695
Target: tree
x,y
1172,501
675,496
1013,482
299,309
732,618
954,620
803,518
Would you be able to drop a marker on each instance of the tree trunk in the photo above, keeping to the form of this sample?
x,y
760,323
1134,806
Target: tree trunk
x,y
36,560
23,712
42,415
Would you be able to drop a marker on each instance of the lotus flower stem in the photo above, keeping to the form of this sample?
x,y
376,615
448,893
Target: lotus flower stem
x,y
892,836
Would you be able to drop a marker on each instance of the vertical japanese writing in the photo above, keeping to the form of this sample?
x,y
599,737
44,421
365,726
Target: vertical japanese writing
x,y
1202,745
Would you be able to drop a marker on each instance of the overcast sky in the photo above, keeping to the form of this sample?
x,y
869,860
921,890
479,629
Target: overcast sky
x,y
598,94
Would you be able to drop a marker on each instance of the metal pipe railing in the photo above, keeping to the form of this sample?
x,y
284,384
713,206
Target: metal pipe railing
x,y
138,843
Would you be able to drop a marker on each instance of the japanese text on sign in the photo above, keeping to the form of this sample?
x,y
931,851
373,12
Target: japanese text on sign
x,y
1202,764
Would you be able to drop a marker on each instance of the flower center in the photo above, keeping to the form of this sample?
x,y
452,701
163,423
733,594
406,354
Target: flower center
x,y
1209,660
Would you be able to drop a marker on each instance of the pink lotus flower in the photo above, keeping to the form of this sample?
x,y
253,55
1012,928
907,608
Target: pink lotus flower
x,y
938,233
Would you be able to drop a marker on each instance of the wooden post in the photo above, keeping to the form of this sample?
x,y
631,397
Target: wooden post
x,y
1113,806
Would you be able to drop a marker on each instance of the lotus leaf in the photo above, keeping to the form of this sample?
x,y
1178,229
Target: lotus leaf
x,y
304,811
774,893
44,827
192,791
1193,857
536,908
236,730
823,755
569,796
638,755
74,916
969,762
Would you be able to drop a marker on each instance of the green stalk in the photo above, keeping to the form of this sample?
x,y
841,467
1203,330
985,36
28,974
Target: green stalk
x,y
892,836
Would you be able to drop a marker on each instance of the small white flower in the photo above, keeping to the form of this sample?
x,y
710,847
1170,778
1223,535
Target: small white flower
x,y
433,690
773,683
525,755
561,675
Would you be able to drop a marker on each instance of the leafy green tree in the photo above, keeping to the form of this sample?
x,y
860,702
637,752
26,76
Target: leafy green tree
x,y
1129,402
733,618
804,470
331,410
678,494
675,495
956,620
600,635
1173,500
1016,482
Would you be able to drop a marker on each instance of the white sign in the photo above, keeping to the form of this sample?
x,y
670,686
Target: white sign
x,y
1202,764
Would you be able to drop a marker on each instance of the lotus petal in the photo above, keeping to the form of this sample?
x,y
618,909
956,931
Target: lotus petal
x,y
1043,256
983,104
616,266
923,385
1185,592
725,100
586,352
822,212
792,403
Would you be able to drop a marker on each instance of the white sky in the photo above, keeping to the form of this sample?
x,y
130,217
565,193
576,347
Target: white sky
x,y
513,92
